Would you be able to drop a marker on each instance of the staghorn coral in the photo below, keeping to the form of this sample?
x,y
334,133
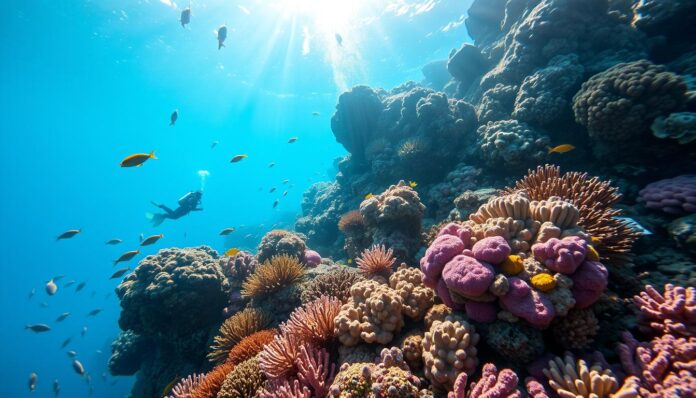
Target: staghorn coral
x,y
416,298
243,381
249,346
569,377
376,261
234,329
673,195
333,284
673,311
210,384
273,275
313,323
183,388
511,143
373,314
278,359
577,330
449,348
620,103
280,242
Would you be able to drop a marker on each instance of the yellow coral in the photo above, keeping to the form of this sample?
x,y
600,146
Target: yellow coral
x,y
543,282
512,265
592,254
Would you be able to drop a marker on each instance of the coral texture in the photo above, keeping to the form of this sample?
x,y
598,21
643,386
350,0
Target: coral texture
x,y
273,275
674,195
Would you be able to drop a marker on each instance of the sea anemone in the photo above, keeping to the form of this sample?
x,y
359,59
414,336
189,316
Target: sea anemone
x,y
273,275
314,322
333,284
250,346
278,358
234,329
212,381
593,197
376,261
351,223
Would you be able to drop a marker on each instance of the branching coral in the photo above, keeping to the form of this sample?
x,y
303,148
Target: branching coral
x,y
314,369
185,386
376,261
492,384
569,377
314,322
210,385
234,329
272,276
673,312
243,381
333,284
250,346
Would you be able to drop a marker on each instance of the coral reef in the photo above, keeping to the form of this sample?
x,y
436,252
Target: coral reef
x,y
234,330
273,275
376,261
570,377
128,352
511,143
249,346
243,381
280,242
673,311
673,196
333,284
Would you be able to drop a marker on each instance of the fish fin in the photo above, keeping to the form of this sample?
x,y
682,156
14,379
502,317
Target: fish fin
x,y
152,155
550,150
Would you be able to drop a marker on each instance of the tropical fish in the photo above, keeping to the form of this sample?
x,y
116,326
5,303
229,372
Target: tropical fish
x,y
69,283
31,294
71,354
66,342
285,193
56,387
368,196
113,241
339,39
349,261
221,36
563,148
77,366
119,273
185,16
316,114
84,331
292,139
127,256
137,159
227,231
596,239
62,317
38,327
214,144
270,165
51,287
151,240
275,204
272,190
173,117
33,378
231,252
238,158
635,225
94,312
68,234
80,286
412,184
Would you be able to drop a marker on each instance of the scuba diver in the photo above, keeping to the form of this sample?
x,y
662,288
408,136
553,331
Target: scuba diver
x,y
187,204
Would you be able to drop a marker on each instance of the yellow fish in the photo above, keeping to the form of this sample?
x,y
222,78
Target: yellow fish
x,y
563,148
137,159
349,261
412,184
232,252
238,158
596,239
369,195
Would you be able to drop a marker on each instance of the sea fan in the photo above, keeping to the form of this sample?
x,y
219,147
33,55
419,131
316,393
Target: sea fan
x,y
376,261
234,329
272,276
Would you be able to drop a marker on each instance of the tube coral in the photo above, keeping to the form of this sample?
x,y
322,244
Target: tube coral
x,y
273,275
573,378
234,329
376,261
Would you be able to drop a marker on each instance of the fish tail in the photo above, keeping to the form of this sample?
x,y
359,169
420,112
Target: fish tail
x,y
550,150
221,45
152,155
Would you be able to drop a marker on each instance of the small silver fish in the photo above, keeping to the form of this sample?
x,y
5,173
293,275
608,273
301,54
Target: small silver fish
x,y
227,231
214,144
316,114
285,193
113,241
275,204
221,36
43,304
31,294
33,378
270,165
68,234
635,225
51,287
272,190
151,240
72,354
292,139
127,256
62,317
77,366
185,16
38,327
66,342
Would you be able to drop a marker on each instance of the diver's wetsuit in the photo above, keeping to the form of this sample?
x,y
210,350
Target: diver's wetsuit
x,y
187,204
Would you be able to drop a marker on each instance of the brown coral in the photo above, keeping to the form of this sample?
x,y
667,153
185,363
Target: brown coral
x,y
273,275
314,322
250,346
234,329
332,284
351,223
577,330
376,261
594,199
416,298
242,382
212,381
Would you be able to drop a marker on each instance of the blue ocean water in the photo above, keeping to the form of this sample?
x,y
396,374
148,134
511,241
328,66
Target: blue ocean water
x,y
86,83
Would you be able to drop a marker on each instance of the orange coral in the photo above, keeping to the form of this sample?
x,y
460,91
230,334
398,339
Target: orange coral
x,y
234,329
314,322
273,275
250,346
376,261
212,381
351,223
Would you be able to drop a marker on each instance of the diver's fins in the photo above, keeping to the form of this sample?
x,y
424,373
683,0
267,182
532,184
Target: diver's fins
x,y
156,219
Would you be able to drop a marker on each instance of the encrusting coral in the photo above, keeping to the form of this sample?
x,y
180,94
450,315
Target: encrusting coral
x,y
273,275
234,330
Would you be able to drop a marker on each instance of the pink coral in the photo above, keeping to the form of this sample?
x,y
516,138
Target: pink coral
x,y
674,195
460,231
442,250
443,292
494,249
468,276
492,384
528,304
589,281
311,258
671,312
561,255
